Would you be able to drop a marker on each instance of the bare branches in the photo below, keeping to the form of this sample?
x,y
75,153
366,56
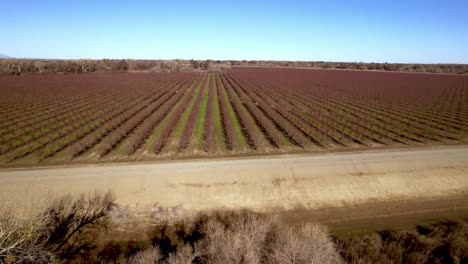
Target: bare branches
x,y
65,228
70,218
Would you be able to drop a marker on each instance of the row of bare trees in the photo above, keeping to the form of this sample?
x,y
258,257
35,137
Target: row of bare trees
x,y
21,66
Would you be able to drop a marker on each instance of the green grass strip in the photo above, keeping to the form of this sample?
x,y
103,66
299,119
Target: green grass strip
x,y
163,123
249,116
240,137
218,122
183,121
200,128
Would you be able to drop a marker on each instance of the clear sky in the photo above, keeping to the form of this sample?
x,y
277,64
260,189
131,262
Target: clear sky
x,y
379,30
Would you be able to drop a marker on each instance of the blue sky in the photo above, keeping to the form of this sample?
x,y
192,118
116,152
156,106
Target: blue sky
x,y
381,31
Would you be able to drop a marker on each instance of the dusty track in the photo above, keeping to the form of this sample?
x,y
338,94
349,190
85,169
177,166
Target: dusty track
x,y
268,184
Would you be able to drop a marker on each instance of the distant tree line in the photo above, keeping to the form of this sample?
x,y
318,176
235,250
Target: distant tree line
x,y
394,67
21,66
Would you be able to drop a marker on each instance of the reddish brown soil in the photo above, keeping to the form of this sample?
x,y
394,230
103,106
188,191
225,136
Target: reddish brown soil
x,y
102,117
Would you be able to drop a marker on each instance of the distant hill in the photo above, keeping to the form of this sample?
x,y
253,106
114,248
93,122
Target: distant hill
x,y
2,56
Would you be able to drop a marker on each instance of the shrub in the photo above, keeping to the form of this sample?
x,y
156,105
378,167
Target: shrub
x,y
204,65
121,65
195,64
247,238
71,229
444,242
239,237
64,229
150,255
23,240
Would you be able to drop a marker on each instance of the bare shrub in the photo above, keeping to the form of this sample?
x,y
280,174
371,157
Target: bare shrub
x,y
171,66
238,240
444,242
141,65
195,64
247,238
59,230
204,65
73,223
184,255
121,65
218,67
309,243
147,256
22,240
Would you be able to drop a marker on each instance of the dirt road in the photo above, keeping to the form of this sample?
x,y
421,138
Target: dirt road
x,y
261,184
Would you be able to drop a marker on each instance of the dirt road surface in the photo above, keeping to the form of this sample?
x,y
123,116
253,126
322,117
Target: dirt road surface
x,y
262,184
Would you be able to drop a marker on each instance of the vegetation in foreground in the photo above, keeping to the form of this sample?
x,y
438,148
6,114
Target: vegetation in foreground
x,y
84,229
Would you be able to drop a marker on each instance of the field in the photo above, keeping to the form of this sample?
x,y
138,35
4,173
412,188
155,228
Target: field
x,y
355,151
53,119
